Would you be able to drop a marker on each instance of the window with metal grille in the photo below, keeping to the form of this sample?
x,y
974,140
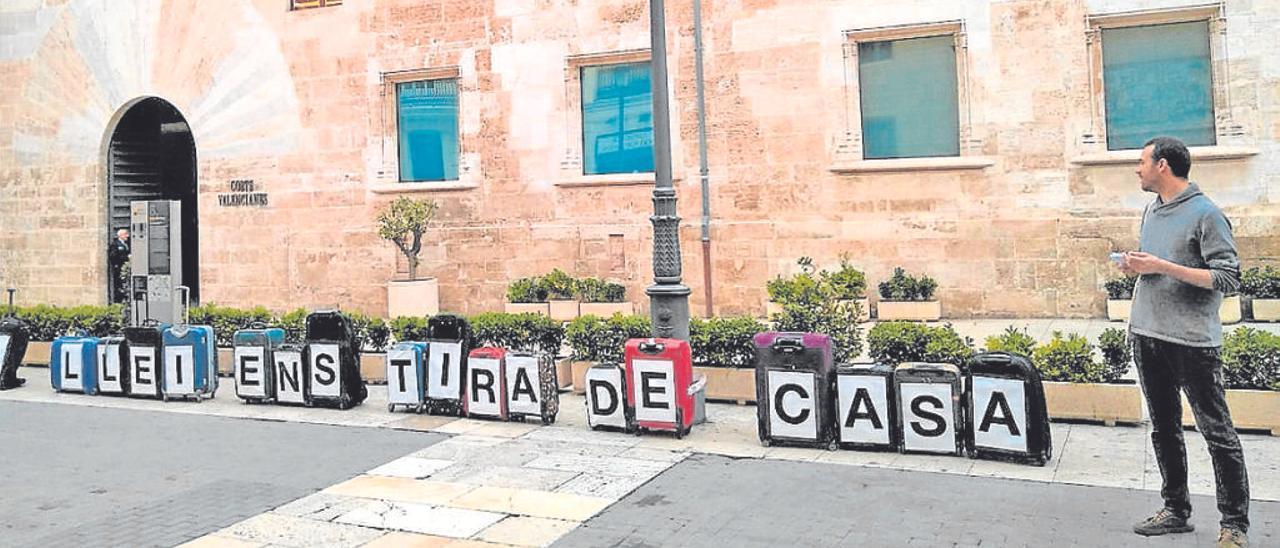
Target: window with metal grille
x,y
304,4
1158,80
427,114
617,119
908,97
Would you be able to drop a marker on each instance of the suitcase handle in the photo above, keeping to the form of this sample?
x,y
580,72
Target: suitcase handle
x,y
788,344
257,325
999,357
12,311
697,386
150,322
651,346
186,304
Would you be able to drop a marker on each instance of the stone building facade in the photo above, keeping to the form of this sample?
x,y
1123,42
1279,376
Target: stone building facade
x,y
302,102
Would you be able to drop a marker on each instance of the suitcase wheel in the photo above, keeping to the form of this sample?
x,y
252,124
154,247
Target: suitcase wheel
x,y
391,408
422,407
833,445
766,442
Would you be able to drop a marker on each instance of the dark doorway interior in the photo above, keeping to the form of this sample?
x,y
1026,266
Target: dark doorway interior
x,y
152,156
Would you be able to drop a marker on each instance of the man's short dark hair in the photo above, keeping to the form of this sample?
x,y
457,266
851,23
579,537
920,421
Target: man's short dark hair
x,y
1174,152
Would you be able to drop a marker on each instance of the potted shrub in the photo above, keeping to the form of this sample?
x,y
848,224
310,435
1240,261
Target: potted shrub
x,y
723,353
1251,372
1075,386
1120,297
527,295
602,298
1262,286
906,297
560,289
784,290
593,339
403,222
812,307
898,342
850,285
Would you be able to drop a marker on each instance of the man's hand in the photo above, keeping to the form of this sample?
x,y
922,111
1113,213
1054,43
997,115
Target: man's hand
x,y
1137,262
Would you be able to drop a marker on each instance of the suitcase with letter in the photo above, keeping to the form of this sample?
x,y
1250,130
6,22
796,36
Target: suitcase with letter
x,y
1008,417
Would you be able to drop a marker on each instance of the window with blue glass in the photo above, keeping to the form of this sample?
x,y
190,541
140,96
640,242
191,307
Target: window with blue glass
x,y
1158,81
427,113
910,107
617,119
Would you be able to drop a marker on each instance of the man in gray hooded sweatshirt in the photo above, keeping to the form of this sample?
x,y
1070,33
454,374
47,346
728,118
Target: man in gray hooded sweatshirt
x,y
1186,261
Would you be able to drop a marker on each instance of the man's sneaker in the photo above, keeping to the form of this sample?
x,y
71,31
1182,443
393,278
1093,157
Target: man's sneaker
x,y
1163,523
1232,538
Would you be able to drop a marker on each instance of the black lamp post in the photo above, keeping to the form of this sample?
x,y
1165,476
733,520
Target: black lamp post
x,y
668,298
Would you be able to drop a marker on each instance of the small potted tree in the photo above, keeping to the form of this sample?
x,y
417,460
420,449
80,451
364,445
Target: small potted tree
x,y
602,298
527,295
403,222
850,285
906,297
560,289
1119,297
1262,286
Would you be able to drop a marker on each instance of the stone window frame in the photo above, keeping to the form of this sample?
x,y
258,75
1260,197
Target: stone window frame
x,y
388,175
1232,139
295,5
572,165
848,156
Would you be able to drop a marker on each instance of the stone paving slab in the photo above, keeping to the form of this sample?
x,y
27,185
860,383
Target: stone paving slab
x,y
421,518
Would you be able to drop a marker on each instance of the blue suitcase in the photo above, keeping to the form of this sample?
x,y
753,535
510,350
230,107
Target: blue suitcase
x,y
253,366
73,364
407,376
190,363
113,366
144,349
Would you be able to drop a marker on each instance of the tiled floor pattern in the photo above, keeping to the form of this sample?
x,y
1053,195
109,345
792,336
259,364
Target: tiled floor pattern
x,y
492,484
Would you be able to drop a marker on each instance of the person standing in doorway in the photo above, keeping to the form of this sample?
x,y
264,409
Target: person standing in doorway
x,y
118,257
1186,261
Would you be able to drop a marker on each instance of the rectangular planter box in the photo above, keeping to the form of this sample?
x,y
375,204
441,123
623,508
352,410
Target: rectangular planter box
x,y
1118,309
904,310
1266,310
225,357
1229,311
563,311
729,383
564,374
522,308
38,353
1107,403
606,310
579,371
1250,409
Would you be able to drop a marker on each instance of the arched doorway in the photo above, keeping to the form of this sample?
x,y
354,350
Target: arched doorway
x,y
151,155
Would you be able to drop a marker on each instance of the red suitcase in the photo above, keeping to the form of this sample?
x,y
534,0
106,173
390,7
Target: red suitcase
x,y
659,375
485,387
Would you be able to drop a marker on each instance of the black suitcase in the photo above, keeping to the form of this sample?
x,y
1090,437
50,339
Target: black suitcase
x,y
866,407
144,347
931,408
1007,415
606,399
334,361
798,364
292,376
448,344
14,336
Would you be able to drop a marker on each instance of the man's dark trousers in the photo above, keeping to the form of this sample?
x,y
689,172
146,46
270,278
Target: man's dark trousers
x,y
1163,368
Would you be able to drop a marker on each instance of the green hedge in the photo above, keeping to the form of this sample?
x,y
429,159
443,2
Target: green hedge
x,y
724,342
601,340
50,322
1251,359
813,302
527,332
898,342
